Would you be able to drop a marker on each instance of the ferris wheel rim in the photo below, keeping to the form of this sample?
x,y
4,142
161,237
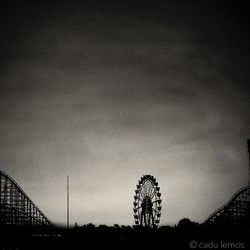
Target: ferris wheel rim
x,y
147,192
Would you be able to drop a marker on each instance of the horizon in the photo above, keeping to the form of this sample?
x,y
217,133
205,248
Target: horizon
x,y
75,224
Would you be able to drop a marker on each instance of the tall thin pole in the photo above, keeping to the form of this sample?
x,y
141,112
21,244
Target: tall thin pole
x,y
248,145
67,201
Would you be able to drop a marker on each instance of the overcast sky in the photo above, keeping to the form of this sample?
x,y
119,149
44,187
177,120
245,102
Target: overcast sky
x,y
107,93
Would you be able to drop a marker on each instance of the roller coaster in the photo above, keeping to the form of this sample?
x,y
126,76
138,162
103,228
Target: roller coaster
x,y
16,208
235,212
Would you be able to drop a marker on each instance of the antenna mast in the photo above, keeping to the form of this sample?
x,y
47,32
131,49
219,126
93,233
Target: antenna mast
x,y
67,201
248,145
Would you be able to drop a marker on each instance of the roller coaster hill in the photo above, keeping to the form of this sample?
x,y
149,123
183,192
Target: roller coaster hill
x,y
235,214
16,208
20,218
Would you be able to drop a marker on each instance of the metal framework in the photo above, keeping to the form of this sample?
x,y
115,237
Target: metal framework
x,y
16,208
147,202
236,211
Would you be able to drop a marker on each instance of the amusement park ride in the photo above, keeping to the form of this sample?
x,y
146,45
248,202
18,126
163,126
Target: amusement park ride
x,y
16,208
147,202
236,212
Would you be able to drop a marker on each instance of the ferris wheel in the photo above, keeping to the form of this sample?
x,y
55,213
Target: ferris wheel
x,y
147,202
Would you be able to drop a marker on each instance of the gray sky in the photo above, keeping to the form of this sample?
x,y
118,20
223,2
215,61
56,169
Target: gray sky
x,y
107,93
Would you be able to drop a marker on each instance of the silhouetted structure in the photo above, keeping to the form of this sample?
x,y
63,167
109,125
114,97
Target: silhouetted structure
x,y
16,208
228,226
236,212
67,201
147,204
235,215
